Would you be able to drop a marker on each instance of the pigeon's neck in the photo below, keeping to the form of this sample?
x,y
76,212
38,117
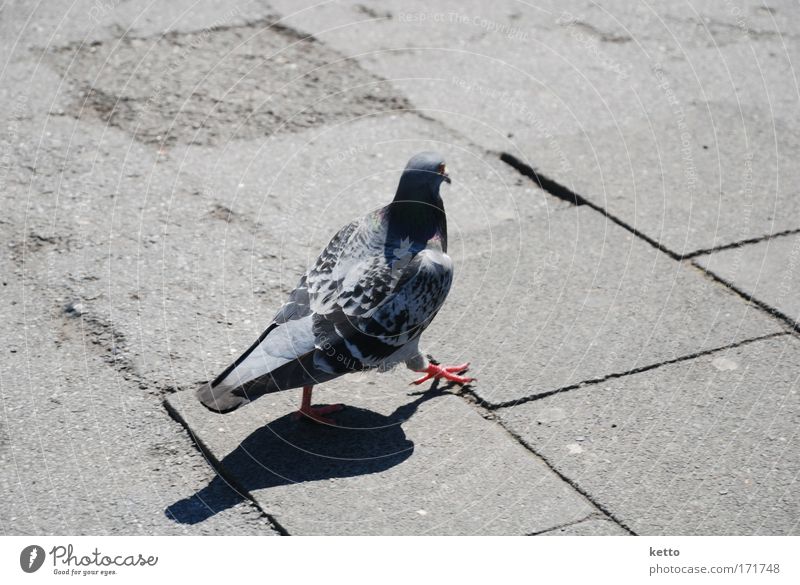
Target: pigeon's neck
x,y
418,217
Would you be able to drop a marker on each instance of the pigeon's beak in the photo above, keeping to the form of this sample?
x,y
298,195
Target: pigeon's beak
x,y
445,176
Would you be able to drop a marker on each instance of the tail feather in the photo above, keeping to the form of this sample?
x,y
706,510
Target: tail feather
x,y
282,358
224,398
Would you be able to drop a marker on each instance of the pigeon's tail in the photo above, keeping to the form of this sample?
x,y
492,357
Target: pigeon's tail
x,y
222,398
282,358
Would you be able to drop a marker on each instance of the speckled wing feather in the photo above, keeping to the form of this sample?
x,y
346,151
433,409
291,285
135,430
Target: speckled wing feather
x,y
370,307
398,321
357,240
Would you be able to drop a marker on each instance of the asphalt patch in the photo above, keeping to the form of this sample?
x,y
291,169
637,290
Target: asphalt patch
x,y
218,84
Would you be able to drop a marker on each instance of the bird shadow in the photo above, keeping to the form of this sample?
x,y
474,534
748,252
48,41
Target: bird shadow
x,y
288,451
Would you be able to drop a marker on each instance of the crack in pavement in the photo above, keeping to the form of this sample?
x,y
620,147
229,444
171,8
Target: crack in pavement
x,y
564,193
533,397
224,475
773,312
754,240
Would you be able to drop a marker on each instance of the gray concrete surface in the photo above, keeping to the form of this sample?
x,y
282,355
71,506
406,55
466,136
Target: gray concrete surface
x,y
709,175
704,446
167,171
766,271
84,448
578,300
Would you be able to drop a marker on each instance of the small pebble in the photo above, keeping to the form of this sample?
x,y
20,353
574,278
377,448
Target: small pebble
x,y
724,364
74,309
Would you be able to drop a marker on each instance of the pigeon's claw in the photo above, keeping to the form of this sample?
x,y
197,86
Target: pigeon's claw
x,y
436,372
316,413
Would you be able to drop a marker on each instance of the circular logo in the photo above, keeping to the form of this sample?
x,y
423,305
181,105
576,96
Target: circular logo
x,y
31,558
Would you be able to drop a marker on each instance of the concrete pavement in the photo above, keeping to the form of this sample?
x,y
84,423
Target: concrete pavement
x,y
168,172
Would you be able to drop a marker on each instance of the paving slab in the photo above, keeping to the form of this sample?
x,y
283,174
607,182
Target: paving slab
x,y
767,271
704,446
738,52
578,298
710,176
399,464
755,73
676,26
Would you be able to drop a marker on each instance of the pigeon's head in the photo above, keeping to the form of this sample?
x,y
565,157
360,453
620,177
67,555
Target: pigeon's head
x,y
429,167
417,211
422,176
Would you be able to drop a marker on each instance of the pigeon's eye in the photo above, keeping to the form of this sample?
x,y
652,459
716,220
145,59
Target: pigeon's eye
x,y
442,170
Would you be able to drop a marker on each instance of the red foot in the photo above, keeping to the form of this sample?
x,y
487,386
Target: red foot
x,y
315,413
447,372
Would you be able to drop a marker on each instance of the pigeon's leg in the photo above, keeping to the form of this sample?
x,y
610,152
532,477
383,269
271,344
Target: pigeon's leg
x,y
450,373
315,413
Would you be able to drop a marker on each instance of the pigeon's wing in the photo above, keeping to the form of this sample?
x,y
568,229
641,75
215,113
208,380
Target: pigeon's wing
x,y
378,308
359,240
353,310
283,356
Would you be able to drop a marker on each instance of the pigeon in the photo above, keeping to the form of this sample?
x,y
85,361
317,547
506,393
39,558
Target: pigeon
x,y
362,306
